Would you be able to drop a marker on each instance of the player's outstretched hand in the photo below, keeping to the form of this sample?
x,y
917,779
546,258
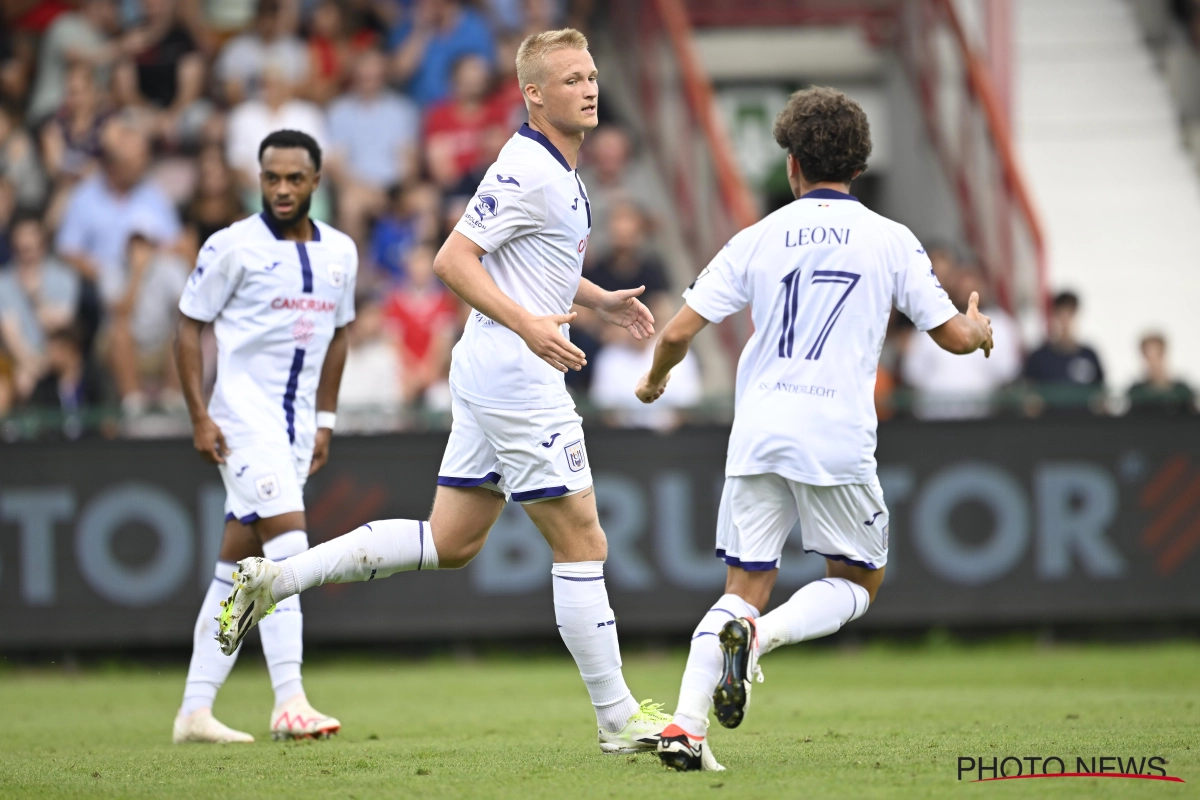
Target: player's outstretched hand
x,y
209,441
320,450
648,392
986,322
623,309
543,337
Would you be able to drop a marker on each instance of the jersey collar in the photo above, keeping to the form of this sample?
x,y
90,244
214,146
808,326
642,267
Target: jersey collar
x,y
267,221
540,138
827,194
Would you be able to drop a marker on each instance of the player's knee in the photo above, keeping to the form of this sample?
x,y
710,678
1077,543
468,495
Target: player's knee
x,y
457,554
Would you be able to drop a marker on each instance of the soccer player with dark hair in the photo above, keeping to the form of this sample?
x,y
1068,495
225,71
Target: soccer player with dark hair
x,y
820,276
278,288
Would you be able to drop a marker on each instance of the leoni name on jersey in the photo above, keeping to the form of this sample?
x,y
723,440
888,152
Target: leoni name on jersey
x,y
303,304
817,235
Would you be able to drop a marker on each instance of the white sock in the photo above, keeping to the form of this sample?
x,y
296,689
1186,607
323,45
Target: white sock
x,y
283,631
210,667
704,663
588,627
376,550
817,609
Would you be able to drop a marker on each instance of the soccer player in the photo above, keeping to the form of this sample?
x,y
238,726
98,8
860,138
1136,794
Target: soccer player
x,y
516,257
278,288
821,276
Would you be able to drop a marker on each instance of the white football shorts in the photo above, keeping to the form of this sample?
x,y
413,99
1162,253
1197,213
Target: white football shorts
x,y
530,455
847,523
264,480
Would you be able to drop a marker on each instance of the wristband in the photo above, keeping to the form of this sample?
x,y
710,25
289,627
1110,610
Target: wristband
x,y
326,419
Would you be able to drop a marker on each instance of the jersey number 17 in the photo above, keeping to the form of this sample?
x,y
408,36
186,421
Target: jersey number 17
x,y
791,297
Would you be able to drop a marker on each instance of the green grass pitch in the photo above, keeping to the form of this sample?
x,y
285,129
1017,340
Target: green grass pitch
x,y
877,722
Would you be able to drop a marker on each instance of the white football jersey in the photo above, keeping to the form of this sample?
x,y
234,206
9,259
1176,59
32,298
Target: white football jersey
x,y
820,276
532,216
274,305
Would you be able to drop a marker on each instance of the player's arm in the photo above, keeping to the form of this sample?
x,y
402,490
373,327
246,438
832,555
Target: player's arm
x,y
206,437
458,265
621,308
327,395
965,333
672,346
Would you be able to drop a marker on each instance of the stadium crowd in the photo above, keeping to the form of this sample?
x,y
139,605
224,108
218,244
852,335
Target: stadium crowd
x,y
129,133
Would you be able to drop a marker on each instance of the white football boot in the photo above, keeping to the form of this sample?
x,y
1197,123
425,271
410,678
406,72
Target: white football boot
x,y
296,719
640,734
682,753
248,603
201,726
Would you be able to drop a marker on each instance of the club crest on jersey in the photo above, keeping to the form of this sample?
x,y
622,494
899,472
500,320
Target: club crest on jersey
x,y
576,458
267,487
486,205
337,275
303,331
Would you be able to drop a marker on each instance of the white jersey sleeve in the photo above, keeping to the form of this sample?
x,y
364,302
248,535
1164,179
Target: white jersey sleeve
x,y
919,295
345,311
501,211
213,281
722,288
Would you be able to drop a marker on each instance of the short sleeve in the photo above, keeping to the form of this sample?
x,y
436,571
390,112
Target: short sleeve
x,y
211,283
500,212
345,310
721,288
919,295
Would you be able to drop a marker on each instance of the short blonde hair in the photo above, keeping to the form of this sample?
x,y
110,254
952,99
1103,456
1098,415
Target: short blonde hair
x,y
531,55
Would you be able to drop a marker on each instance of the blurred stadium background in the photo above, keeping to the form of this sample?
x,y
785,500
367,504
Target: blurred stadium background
x,y
1045,151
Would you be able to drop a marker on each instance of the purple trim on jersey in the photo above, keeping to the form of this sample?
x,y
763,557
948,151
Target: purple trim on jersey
x,y
421,535
289,394
586,203
447,480
580,580
844,560
828,194
249,519
305,266
749,566
538,494
540,138
316,232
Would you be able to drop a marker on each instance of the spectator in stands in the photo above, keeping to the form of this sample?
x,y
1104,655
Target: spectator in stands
x,y
622,362
955,387
330,53
272,41
8,387
73,384
424,314
374,136
456,129
430,40
101,213
372,382
1067,374
412,218
71,138
1159,393
610,178
216,203
38,294
76,37
278,108
628,262
506,103
162,43
141,323
19,167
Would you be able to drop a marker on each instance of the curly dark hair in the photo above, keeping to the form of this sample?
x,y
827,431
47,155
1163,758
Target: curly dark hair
x,y
826,132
